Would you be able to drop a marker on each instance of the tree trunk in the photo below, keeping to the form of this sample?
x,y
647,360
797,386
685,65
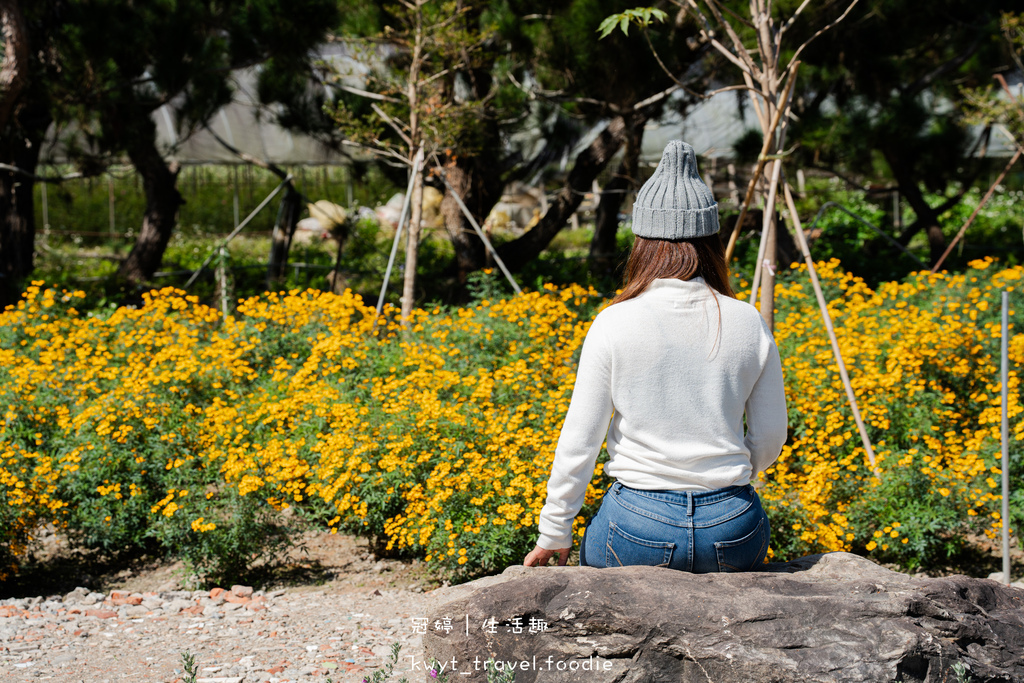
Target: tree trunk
x,y
17,214
479,184
927,218
768,273
281,239
15,62
589,164
412,241
159,181
603,244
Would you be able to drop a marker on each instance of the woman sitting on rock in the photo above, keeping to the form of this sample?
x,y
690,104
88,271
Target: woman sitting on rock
x,y
673,364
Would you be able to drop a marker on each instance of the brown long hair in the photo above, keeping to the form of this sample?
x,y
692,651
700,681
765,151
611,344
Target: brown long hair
x,y
650,259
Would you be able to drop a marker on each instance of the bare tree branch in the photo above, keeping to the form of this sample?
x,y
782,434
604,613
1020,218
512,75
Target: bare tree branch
x,y
45,178
391,122
796,55
370,95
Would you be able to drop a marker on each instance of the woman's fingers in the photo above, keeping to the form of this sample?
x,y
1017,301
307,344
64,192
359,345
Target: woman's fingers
x,y
538,557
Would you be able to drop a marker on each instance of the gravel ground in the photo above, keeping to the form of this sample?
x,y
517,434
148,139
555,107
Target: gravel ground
x,y
341,631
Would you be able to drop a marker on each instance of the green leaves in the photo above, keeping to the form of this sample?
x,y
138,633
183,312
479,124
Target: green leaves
x,y
641,16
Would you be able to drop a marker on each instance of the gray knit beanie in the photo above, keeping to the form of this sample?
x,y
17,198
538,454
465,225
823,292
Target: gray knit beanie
x,y
675,203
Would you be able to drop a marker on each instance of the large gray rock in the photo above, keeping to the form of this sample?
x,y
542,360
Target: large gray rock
x,y
832,617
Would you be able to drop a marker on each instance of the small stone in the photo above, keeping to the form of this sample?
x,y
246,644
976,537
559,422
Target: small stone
x,y
101,613
216,592
178,604
242,591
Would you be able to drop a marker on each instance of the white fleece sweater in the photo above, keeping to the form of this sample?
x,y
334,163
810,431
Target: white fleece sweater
x,y
674,378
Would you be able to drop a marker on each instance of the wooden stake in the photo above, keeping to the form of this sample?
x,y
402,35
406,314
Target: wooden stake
x,y
851,397
480,233
974,213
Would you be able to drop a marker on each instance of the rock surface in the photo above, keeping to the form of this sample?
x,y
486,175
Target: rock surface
x,y
832,617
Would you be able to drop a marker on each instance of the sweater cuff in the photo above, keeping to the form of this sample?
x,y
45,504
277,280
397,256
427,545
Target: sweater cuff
x,y
555,542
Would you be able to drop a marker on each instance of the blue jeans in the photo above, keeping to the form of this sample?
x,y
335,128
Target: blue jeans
x,y
725,530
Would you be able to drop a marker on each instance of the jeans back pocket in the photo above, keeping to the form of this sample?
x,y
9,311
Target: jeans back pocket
x,y
743,554
625,550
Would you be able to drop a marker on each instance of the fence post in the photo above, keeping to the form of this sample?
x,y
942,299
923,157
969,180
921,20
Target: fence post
x,y
110,200
234,199
46,209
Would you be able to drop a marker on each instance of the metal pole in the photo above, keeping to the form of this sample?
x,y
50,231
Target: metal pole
x,y
850,395
236,231
398,231
222,280
1005,429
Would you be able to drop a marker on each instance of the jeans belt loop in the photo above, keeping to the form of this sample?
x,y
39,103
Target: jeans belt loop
x,y
689,503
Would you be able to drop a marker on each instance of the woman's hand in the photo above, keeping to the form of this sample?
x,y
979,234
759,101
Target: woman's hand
x,y
539,557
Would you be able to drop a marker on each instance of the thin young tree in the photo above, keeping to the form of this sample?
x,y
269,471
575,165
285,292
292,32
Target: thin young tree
x,y
407,107
757,46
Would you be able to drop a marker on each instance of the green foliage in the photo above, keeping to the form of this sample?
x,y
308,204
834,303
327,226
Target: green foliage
x,y
640,16
990,105
191,669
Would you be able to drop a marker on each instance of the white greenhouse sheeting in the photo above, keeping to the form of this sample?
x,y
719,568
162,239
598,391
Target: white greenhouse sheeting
x,y
244,123
712,127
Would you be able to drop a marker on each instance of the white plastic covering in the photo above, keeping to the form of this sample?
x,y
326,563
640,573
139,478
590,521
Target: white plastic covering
x,y
244,123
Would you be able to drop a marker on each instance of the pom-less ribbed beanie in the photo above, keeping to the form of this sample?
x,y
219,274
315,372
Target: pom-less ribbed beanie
x,y
675,203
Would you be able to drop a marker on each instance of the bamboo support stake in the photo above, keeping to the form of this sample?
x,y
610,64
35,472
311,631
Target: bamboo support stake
x,y
1004,377
762,158
970,220
805,250
479,232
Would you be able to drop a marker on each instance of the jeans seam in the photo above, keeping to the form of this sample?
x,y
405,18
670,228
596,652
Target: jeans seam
x,y
651,515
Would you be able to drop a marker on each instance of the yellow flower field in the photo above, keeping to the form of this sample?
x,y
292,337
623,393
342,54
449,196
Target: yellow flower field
x,y
167,426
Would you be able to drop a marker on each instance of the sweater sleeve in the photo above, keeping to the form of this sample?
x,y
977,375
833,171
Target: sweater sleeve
x,y
583,432
767,421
